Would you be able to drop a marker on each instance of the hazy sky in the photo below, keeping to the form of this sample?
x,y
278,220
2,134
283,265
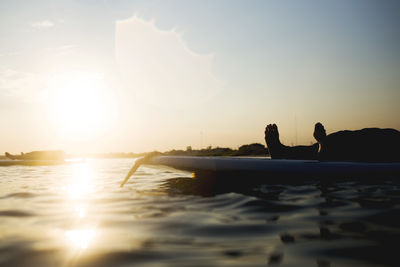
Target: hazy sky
x,y
98,76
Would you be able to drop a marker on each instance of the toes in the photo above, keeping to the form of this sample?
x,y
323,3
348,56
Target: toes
x,y
319,132
319,126
271,129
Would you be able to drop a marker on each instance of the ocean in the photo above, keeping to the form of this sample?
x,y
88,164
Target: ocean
x,y
77,215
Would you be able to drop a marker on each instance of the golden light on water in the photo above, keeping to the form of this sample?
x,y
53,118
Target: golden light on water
x,y
80,210
80,184
80,238
78,191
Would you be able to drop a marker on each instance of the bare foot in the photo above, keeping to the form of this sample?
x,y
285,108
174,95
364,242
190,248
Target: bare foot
x,y
272,139
319,132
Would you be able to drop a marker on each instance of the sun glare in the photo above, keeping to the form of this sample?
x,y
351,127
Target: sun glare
x,y
80,238
80,104
81,183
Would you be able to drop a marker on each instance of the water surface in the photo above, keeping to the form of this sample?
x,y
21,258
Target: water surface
x,y
77,215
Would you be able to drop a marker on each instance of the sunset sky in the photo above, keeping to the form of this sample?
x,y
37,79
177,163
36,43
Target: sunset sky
x,y
121,76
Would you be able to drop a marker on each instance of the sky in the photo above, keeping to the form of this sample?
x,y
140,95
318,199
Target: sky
x,y
135,76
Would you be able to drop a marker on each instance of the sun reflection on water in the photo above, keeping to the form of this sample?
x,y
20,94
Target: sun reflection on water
x,y
81,183
80,210
78,191
80,238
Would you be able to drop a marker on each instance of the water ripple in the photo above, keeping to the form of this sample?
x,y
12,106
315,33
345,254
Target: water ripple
x,y
76,215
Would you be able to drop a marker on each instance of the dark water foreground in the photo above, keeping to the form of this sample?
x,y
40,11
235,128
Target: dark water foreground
x,y
76,215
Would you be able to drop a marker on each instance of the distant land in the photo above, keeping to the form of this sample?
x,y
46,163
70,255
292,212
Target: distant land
x,y
255,149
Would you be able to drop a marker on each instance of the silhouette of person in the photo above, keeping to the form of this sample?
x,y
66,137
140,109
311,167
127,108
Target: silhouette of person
x,y
367,145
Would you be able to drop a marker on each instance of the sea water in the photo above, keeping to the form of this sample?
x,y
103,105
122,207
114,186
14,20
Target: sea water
x,y
77,215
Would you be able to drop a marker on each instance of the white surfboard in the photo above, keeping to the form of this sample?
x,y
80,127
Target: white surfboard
x,y
270,167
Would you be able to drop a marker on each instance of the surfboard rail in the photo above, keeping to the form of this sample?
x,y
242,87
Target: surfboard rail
x,y
270,167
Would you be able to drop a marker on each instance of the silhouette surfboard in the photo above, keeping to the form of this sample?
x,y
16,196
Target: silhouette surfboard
x,y
267,168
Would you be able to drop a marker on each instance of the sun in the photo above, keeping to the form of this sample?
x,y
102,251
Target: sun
x,y
80,104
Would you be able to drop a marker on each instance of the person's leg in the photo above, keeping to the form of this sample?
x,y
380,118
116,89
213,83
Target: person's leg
x,y
375,145
274,145
369,144
319,132
279,151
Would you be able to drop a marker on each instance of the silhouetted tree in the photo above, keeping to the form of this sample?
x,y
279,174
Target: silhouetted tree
x,y
254,149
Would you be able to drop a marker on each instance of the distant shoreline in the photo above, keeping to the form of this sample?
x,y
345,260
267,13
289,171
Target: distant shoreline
x,y
254,149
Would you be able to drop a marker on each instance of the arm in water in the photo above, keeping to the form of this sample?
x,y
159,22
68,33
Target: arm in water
x,y
137,164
